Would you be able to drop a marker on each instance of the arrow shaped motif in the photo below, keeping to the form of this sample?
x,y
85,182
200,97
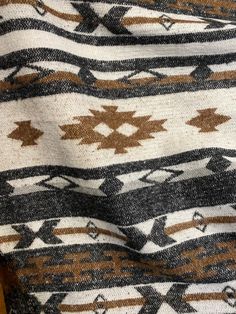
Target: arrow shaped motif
x,y
91,20
173,298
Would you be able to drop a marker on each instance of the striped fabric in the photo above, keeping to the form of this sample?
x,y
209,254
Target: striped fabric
x,y
118,156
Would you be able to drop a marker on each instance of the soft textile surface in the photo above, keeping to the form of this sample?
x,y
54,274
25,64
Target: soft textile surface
x,y
118,156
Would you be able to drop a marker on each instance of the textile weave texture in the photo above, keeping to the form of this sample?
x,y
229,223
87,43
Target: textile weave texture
x,y
118,156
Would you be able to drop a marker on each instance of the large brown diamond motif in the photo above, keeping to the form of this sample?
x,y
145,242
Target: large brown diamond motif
x,y
112,129
207,120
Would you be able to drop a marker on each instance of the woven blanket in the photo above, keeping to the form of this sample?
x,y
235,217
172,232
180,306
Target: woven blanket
x,y
118,156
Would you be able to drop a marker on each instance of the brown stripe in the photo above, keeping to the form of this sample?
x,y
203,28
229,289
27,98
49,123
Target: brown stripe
x,y
67,231
206,296
7,2
227,75
204,221
143,81
10,238
198,267
187,3
101,305
127,21
20,81
211,3
213,6
137,302
65,16
61,76
111,84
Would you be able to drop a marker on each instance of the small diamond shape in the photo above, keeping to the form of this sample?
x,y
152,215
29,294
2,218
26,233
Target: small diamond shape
x,y
218,164
230,294
39,7
202,72
93,234
198,217
127,129
100,309
57,182
103,129
166,22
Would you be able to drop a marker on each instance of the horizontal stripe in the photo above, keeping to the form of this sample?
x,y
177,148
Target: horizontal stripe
x,y
50,76
204,221
127,91
106,304
125,21
32,55
68,17
182,263
139,23
26,24
97,231
213,8
118,169
122,84
115,296
157,200
123,303
67,231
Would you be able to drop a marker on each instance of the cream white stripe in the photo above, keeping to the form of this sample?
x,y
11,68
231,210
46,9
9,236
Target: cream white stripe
x,y
47,40
47,113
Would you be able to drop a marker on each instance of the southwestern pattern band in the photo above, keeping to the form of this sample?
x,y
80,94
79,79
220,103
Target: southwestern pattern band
x,y
118,156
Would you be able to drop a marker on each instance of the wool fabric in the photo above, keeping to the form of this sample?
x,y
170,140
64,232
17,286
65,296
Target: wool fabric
x,y
118,156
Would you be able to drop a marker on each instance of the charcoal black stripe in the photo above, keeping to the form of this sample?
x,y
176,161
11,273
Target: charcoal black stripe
x,y
27,24
123,209
170,256
27,56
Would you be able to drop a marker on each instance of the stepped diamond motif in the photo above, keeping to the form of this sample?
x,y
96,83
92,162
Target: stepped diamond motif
x,y
25,133
208,120
112,129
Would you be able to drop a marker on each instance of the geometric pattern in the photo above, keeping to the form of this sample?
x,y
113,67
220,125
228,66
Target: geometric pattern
x,y
208,120
112,129
173,169
25,133
100,213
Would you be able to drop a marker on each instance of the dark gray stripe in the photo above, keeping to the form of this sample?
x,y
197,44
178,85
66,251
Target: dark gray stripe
x,y
123,209
171,257
26,56
121,40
